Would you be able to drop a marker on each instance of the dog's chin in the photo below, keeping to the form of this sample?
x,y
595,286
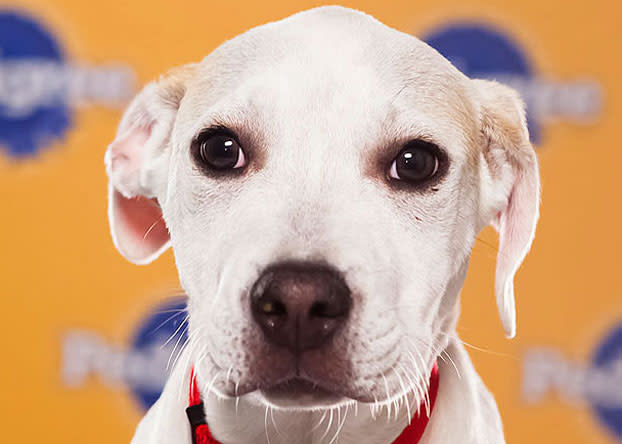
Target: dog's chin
x,y
299,394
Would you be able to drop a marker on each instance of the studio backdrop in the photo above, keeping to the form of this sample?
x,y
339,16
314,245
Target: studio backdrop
x,y
87,338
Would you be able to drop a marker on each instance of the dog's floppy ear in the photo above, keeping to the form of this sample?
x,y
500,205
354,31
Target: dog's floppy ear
x,y
137,167
510,187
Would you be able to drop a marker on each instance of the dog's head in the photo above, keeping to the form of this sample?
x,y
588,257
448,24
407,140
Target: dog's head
x,y
322,180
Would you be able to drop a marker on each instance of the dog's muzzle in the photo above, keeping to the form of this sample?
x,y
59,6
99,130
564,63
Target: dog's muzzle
x,y
300,305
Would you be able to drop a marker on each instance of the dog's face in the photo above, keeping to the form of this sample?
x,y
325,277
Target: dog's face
x,y
323,180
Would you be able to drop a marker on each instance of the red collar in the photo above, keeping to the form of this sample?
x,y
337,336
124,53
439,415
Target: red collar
x,y
410,435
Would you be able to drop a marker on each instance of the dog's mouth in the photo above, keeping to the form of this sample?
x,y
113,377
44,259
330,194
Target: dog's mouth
x,y
300,393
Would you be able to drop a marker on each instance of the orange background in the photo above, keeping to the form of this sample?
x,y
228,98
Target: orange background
x,y
60,270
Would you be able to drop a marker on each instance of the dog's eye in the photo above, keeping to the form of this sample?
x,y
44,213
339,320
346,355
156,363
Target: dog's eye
x,y
417,162
219,149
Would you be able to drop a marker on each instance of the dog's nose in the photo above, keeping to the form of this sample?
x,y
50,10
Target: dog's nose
x,y
300,305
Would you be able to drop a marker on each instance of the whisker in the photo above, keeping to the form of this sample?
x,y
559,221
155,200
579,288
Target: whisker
x,y
210,386
481,349
401,381
265,422
228,374
237,398
320,421
274,422
340,426
181,350
166,320
388,404
330,423
452,363
176,331
175,347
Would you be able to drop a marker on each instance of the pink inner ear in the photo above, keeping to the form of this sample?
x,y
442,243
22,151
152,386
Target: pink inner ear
x,y
126,156
140,228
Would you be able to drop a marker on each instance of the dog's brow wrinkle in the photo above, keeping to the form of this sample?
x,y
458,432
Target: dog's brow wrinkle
x,y
398,93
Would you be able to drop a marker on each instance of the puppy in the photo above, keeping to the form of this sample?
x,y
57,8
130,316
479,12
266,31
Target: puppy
x,y
322,180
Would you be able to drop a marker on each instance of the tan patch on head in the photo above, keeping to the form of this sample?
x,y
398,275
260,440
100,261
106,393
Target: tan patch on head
x,y
173,85
503,121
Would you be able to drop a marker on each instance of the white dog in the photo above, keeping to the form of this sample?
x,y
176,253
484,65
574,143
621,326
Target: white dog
x,y
322,180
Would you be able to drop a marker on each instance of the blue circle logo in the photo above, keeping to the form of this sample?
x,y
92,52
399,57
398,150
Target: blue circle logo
x,y
481,51
605,381
156,346
33,101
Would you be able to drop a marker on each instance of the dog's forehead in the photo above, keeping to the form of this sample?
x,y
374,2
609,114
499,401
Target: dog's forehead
x,y
332,65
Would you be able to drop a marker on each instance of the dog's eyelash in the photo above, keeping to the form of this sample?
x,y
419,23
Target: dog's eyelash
x,y
215,129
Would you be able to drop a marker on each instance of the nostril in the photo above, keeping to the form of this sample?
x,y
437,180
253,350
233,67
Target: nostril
x,y
324,309
273,307
319,310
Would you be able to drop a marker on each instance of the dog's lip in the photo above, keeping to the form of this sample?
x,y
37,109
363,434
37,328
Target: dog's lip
x,y
297,387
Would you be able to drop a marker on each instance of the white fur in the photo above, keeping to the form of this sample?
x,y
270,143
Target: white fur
x,y
316,99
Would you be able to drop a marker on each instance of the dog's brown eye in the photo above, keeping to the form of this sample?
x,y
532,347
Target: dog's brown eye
x,y
219,149
416,163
